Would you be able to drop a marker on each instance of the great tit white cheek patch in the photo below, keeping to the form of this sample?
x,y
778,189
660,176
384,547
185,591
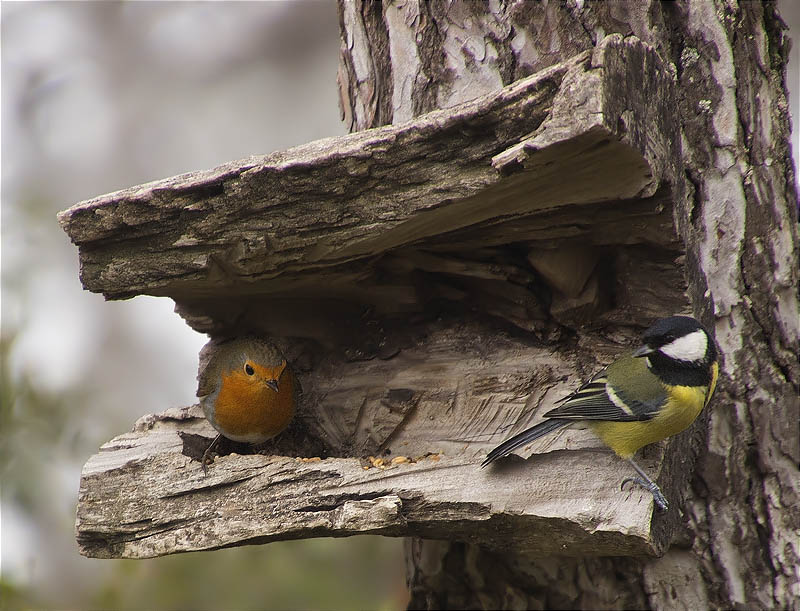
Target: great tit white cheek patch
x,y
691,347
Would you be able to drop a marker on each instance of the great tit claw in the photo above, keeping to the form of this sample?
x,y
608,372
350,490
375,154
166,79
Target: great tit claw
x,y
658,498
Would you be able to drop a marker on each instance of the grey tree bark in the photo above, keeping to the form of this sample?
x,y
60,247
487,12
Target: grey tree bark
x,y
740,544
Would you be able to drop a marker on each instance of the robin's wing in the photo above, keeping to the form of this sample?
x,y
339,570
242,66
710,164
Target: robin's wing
x,y
600,400
208,370
204,387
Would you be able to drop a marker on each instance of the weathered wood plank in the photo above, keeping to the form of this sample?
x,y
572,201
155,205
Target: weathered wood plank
x,y
260,225
145,494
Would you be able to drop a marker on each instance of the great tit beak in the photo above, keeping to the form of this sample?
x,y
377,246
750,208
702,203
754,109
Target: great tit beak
x,y
273,384
643,351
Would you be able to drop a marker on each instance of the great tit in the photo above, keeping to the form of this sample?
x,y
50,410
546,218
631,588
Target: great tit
x,y
645,396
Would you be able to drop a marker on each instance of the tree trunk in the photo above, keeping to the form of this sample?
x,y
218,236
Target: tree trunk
x,y
737,218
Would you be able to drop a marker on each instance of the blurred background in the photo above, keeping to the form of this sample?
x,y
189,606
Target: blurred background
x,y
97,97
101,96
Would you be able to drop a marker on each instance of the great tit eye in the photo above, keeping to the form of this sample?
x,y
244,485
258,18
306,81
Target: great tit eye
x,y
248,369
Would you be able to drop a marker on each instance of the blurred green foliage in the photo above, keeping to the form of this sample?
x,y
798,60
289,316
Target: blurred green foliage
x,y
356,573
35,429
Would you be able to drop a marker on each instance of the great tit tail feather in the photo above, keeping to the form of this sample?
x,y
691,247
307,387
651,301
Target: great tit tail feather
x,y
508,446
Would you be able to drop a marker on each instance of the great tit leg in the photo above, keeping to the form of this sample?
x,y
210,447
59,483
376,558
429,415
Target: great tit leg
x,y
207,460
648,484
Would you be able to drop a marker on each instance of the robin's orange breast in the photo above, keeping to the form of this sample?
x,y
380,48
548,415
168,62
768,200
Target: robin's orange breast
x,y
248,410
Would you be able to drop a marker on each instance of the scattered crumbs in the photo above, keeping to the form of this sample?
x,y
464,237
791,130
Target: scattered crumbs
x,y
311,459
431,455
371,461
379,463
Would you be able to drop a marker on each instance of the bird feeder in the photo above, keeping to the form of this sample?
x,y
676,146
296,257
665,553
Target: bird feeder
x,y
437,286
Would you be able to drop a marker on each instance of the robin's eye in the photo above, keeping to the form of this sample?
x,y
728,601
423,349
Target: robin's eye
x,y
248,369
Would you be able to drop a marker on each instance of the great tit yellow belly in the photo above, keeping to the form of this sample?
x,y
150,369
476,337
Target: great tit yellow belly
x,y
654,392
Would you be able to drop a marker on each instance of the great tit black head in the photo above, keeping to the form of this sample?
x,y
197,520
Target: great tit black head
x,y
679,350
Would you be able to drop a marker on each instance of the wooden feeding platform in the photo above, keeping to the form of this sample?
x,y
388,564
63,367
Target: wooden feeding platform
x,y
437,286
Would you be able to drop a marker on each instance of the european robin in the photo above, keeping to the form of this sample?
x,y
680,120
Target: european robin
x,y
247,390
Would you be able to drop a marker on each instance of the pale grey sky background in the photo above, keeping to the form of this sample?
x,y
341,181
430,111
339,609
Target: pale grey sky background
x,y
101,96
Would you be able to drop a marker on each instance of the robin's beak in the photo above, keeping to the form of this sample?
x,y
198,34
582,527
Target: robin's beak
x,y
273,384
643,351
